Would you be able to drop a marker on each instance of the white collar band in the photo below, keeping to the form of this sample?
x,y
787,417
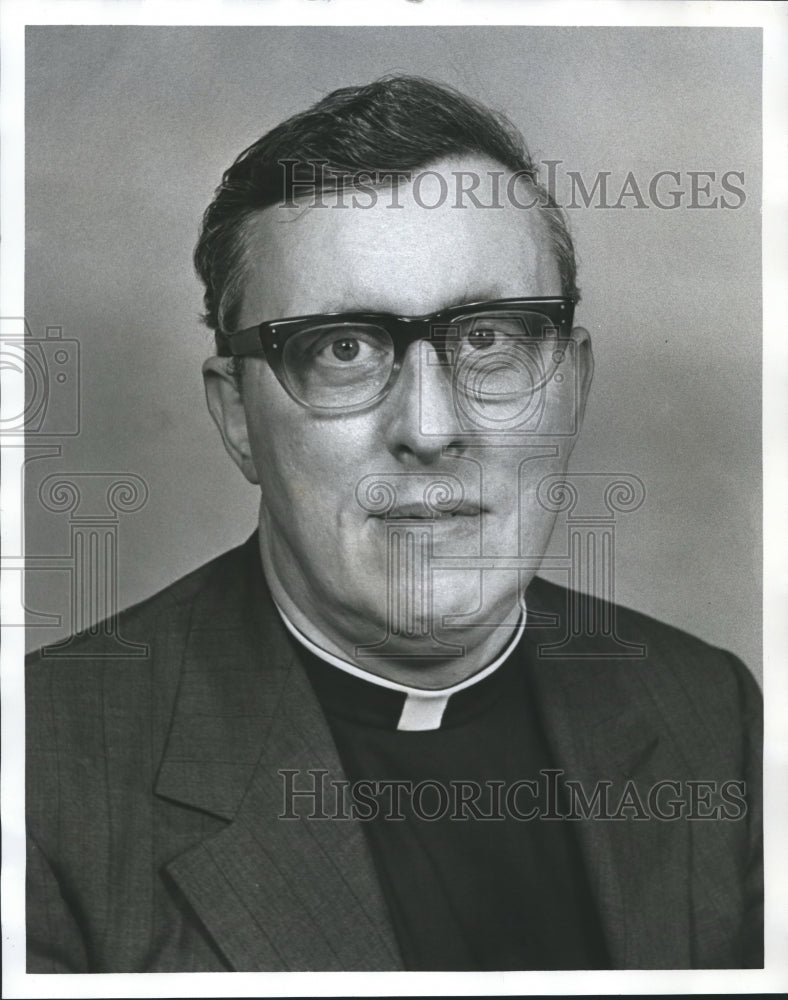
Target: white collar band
x,y
423,708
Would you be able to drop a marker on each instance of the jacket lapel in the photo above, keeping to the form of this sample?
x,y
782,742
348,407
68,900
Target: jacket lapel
x,y
273,893
596,721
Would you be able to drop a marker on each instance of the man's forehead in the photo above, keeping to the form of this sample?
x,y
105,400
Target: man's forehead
x,y
413,250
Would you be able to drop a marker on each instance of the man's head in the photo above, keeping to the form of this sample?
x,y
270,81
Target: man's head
x,y
395,125
361,491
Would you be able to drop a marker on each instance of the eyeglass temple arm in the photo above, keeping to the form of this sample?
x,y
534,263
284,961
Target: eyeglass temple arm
x,y
239,344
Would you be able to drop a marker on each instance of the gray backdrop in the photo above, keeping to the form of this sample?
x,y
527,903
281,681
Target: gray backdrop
x,y
128,131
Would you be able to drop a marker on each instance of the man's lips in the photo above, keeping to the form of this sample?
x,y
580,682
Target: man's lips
x,y
418,510
421,496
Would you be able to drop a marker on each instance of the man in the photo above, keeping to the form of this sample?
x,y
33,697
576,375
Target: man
x,y
370,738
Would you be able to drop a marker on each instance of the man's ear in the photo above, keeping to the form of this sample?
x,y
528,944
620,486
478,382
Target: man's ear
x,y
584,359
226,406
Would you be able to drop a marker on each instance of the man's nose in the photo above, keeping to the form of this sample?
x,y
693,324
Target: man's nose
x,y
421,417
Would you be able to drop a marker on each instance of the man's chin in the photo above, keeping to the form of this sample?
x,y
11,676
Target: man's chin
x,y
401,630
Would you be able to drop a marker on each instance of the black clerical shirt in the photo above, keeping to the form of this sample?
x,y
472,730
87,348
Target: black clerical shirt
x,y
469,882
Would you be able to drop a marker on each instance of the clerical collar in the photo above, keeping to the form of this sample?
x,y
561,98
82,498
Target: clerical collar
x,y
420,709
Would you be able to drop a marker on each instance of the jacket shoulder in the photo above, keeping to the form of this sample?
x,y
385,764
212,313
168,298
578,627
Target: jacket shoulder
x,y
671,663
128,664
142,619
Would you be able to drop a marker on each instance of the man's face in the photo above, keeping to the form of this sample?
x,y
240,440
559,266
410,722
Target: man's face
x,y
350,570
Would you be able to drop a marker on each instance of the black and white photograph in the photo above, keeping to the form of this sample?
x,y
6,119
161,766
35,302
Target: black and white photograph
x,y
385,455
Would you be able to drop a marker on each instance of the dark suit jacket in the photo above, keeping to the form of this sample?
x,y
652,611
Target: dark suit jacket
x,y
153,793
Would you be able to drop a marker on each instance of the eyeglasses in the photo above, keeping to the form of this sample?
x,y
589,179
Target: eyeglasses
x,y
496,352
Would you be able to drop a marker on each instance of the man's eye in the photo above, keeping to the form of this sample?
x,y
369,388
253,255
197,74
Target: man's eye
x,y
346,349
482,338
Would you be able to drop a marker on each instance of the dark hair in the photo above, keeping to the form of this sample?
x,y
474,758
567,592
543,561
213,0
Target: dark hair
x,y
397,123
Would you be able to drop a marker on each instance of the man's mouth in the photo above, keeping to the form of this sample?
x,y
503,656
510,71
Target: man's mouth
x,y
419,511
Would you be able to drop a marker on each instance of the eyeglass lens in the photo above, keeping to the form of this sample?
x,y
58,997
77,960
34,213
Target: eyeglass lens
x,y
495,359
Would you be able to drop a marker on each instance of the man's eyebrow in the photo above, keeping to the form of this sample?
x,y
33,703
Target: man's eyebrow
x,y
348,307
488,294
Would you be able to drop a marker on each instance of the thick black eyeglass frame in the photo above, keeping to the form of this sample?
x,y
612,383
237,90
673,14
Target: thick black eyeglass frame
x,y
439,328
